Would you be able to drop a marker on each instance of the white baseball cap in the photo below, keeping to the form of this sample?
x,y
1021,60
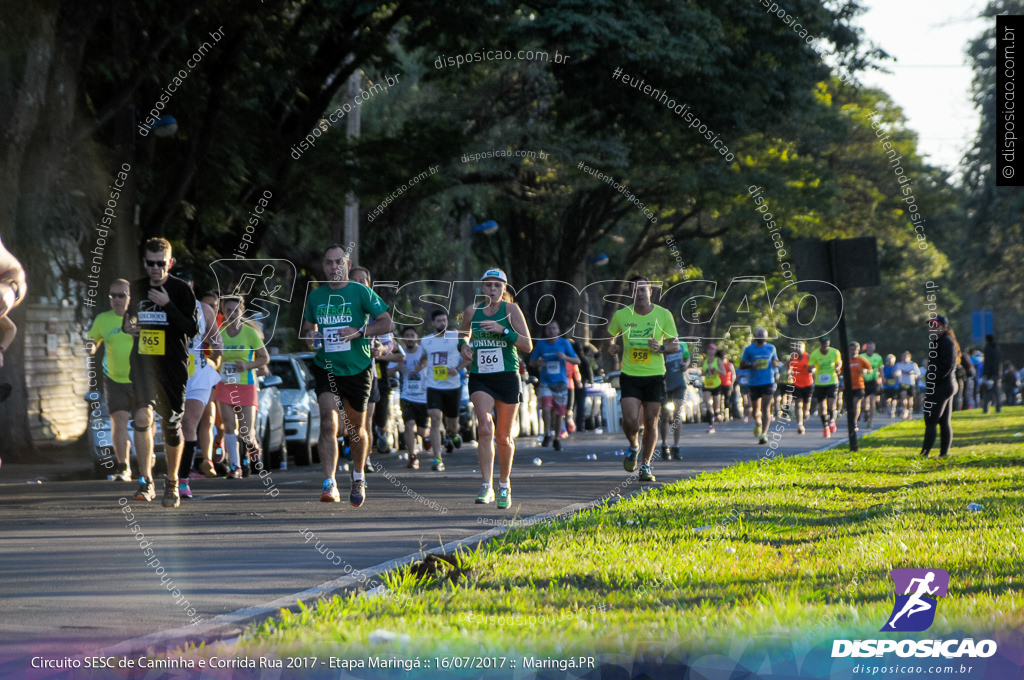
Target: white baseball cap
x,y
494,274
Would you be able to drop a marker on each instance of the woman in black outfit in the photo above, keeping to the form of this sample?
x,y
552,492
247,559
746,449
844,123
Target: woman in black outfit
x,y
943,356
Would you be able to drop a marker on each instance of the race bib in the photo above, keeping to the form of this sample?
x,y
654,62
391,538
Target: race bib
x,y
440,373
191,365
825,378
761,364
553,367
228,373
151,342
640,355
490,360
333,341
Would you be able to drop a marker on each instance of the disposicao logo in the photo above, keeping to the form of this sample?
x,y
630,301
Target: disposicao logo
x,y
915,611
917,591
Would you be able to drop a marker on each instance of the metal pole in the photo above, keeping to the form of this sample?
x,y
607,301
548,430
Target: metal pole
x,y
352,202
844,350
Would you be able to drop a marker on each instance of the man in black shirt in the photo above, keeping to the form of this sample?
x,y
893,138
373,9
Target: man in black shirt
x,y
162,318
991,375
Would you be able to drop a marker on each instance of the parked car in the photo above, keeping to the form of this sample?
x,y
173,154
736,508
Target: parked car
x,y
270,421
101,439
301,413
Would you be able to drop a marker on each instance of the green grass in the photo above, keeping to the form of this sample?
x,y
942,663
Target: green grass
x,y
798,548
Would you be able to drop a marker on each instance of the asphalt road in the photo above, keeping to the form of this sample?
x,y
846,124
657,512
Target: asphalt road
x,y
73,577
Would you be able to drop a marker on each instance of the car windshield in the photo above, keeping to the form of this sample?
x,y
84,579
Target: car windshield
x,y
283,369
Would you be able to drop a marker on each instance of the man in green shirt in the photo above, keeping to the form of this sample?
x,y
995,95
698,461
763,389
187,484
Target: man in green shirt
x,y
648,333
872,381
336,323
117,388
826,363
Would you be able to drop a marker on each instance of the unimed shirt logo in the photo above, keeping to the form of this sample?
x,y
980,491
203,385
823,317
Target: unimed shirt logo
x,y
917,593
914,610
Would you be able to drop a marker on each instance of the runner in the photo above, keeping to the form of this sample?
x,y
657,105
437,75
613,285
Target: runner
x,y
648,333
335,318
413,400
493,333
676,364
550,357
725,390
803,382
909,373
938,405
891,383
117,388
161,316
712,370
444,385
201,381
759,359
872,382
237,393
12,281
859,367
826,363
380,391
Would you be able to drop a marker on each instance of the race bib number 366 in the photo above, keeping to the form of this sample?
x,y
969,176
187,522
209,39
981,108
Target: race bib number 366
x,y
151,342
490,360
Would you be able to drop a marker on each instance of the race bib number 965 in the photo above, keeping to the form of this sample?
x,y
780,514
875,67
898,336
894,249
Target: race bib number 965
x,y
151,342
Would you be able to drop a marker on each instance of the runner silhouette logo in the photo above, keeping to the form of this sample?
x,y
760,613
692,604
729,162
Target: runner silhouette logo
x,y
914,609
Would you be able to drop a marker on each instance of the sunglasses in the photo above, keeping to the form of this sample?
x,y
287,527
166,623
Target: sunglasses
x,y
156,263
117,296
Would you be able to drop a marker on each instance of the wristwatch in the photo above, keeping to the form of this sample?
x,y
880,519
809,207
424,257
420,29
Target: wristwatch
x,y
506,331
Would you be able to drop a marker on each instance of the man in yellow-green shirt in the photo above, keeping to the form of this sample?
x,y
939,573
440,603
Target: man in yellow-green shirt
x,y
648,333
117,388
826,363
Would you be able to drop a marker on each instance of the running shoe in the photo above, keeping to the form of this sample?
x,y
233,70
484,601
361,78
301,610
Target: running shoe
x,y
800,429
448,445
763,439
504,498
235,473
943,456
368,467
547,439
630,460
330,492
711,429
358,493
570,424
832,426
486,494
647,474
125,474
457,441
414,463
757,430
563,435
924,454
828,432
557,444
438,465
207,468
146,491
172,498
184,490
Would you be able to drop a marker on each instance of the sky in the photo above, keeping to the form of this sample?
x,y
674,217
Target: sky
x,y
931,77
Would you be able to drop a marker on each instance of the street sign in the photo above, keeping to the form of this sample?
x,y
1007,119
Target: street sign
x,y
982,324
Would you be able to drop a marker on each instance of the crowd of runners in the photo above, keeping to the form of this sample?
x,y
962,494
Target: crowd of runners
x,y
195,363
